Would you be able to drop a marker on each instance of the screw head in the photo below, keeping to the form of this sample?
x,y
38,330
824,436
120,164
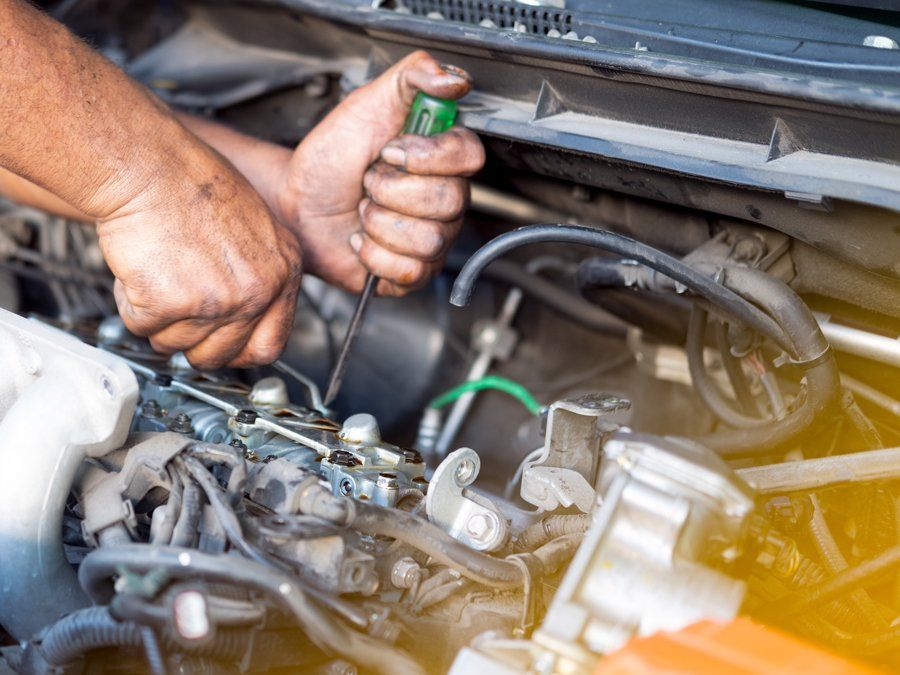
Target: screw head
x,y
479,526
151,408
346,487
181,423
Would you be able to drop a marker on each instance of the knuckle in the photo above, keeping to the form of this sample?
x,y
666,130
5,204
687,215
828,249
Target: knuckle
x,y
432,240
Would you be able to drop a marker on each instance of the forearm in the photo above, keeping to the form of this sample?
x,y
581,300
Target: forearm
x,y
74,124
263,164
25,192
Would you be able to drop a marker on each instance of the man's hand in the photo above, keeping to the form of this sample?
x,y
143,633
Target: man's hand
x,y
203,267
361,199
201,264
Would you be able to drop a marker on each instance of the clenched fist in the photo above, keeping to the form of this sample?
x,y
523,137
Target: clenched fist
x,y
203,267
360,197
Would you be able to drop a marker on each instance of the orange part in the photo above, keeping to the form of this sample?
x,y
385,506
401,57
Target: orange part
x,y
740,647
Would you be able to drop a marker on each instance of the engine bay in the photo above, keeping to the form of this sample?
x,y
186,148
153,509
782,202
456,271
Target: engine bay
x,y
654,389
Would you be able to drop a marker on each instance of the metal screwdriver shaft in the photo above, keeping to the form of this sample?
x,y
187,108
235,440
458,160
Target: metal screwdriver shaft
x,y
427,116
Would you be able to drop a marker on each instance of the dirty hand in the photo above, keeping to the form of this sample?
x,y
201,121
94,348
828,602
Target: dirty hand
x,y
360,198
202,266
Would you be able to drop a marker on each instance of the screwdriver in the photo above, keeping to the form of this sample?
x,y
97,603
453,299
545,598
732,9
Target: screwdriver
x,y
428,116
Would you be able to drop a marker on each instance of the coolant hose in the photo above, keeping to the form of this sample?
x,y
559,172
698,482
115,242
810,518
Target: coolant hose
x,y
724,298
705,387
810,350
95,628
99,566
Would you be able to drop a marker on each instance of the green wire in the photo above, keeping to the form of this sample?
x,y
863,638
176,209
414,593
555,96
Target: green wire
x,y
495,382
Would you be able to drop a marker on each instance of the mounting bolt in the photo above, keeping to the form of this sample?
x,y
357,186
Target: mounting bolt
x,y
151,408
405,572
246,417
346,487
181,424
479,527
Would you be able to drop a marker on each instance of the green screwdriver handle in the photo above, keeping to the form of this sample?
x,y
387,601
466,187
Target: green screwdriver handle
x,y
429,115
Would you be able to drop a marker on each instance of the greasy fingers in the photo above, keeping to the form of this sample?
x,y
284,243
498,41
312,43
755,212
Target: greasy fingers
x,y
422,72
405,235
404,273
270,334
433,197
456,152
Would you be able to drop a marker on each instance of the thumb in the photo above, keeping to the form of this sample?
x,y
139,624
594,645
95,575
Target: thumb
x,y
390,95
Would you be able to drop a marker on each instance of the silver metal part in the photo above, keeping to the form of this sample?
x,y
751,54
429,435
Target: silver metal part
x,y
860,342
465,515
60,401
563,475
822,472
360,429
270,392
670,508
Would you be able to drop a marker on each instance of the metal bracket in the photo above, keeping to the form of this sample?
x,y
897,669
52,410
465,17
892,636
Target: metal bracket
x,y
564,473
466,516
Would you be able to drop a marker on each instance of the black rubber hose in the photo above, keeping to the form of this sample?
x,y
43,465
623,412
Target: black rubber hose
x,y
99,566
565,303
188,522
809,345
95,628
734,371
728,301
706,389
423,535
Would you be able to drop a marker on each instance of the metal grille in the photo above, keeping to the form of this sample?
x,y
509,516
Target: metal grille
x,y
504,15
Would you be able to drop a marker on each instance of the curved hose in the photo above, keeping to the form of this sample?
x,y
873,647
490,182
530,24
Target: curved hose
x,y
735,373
550,528
185,529
808,345
704,386
724,298
101,565
95,628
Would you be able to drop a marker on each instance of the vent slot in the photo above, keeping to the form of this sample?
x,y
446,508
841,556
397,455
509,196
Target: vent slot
x,y
503,15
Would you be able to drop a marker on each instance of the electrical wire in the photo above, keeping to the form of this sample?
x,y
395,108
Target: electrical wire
x,y
493,383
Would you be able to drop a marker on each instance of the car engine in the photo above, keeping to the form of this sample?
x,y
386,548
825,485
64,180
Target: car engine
x,y
646,420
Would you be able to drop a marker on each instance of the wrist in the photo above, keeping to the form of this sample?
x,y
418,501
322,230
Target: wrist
x,y
165,161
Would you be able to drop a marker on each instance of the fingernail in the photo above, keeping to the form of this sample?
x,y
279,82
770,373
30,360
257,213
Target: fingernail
x,y
393,154
458,73
356,241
